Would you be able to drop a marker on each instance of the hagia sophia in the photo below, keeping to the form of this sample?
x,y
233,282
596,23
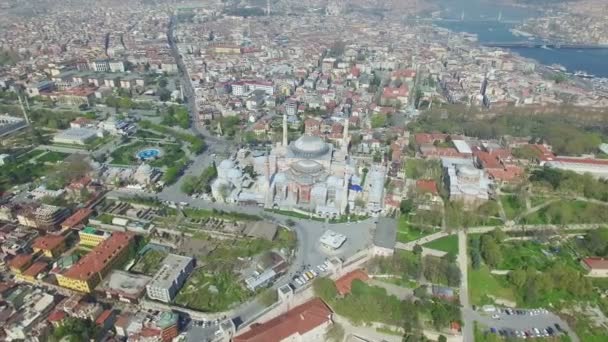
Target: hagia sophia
x,y
307,174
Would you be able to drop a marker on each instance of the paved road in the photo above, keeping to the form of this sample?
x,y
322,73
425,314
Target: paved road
x,y
467,329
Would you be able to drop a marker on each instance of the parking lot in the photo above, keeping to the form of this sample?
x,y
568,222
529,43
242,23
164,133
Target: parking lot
x,y
523,323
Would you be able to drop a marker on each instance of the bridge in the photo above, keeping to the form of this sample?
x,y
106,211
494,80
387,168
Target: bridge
x,y
549,45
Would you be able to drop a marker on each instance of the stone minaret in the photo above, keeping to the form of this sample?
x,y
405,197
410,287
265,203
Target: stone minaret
x,y
285,130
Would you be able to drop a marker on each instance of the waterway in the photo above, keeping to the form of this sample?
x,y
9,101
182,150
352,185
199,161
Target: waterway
x,y
593,61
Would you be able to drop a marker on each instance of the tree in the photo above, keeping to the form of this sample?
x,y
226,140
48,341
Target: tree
x,y
378,120
406,206
163,82
75,329
491,253
417,250
189,185
442,339
518,277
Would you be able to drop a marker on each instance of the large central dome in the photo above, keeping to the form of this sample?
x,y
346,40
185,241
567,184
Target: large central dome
x,y
309,146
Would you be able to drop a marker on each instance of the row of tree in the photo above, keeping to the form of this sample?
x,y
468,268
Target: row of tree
x,y
572,183
200,184
414,266
568,133
486,248
381,307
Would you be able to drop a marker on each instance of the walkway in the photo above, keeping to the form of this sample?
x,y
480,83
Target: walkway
x,y
467,329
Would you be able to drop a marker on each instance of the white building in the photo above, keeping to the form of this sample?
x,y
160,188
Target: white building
x,y
116,66
170,277
465,182
76,136
332,240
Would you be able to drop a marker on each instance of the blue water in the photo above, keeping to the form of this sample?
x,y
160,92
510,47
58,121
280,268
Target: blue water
x,y
592,61
149,153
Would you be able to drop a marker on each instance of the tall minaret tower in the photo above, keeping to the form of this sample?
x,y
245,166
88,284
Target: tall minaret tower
x,y
285,130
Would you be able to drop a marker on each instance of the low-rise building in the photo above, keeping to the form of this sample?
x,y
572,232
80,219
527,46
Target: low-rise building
x,y
124,286
92,237
75,136
306,322
42,216
93,267
170,277
50,245
597,267
332,240
81,216
385,237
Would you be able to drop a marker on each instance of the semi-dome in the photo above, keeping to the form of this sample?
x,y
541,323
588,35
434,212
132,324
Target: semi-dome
x,y
307,166
309,145
307,172
226,164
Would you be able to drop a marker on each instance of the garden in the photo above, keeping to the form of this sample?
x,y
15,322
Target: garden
x,y
513,206
150,262
448,244
211,292
406,232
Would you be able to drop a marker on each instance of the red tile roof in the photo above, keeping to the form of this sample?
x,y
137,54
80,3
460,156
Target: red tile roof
x,y
103,317
429,138
48,242
345,282
596,263
427,185
56,316
20,260
95,261
35,269
299,320
77,218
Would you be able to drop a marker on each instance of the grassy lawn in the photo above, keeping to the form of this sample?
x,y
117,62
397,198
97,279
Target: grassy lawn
x,y
525,253
537,200
202,214
53,157
29,155
568,212
126,154
150,262
227,252
401,281
513,205
448,244
483,284
148,135
407,233
211,292
422,169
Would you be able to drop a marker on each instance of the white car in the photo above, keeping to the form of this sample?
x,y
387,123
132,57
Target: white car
x,y
496,316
